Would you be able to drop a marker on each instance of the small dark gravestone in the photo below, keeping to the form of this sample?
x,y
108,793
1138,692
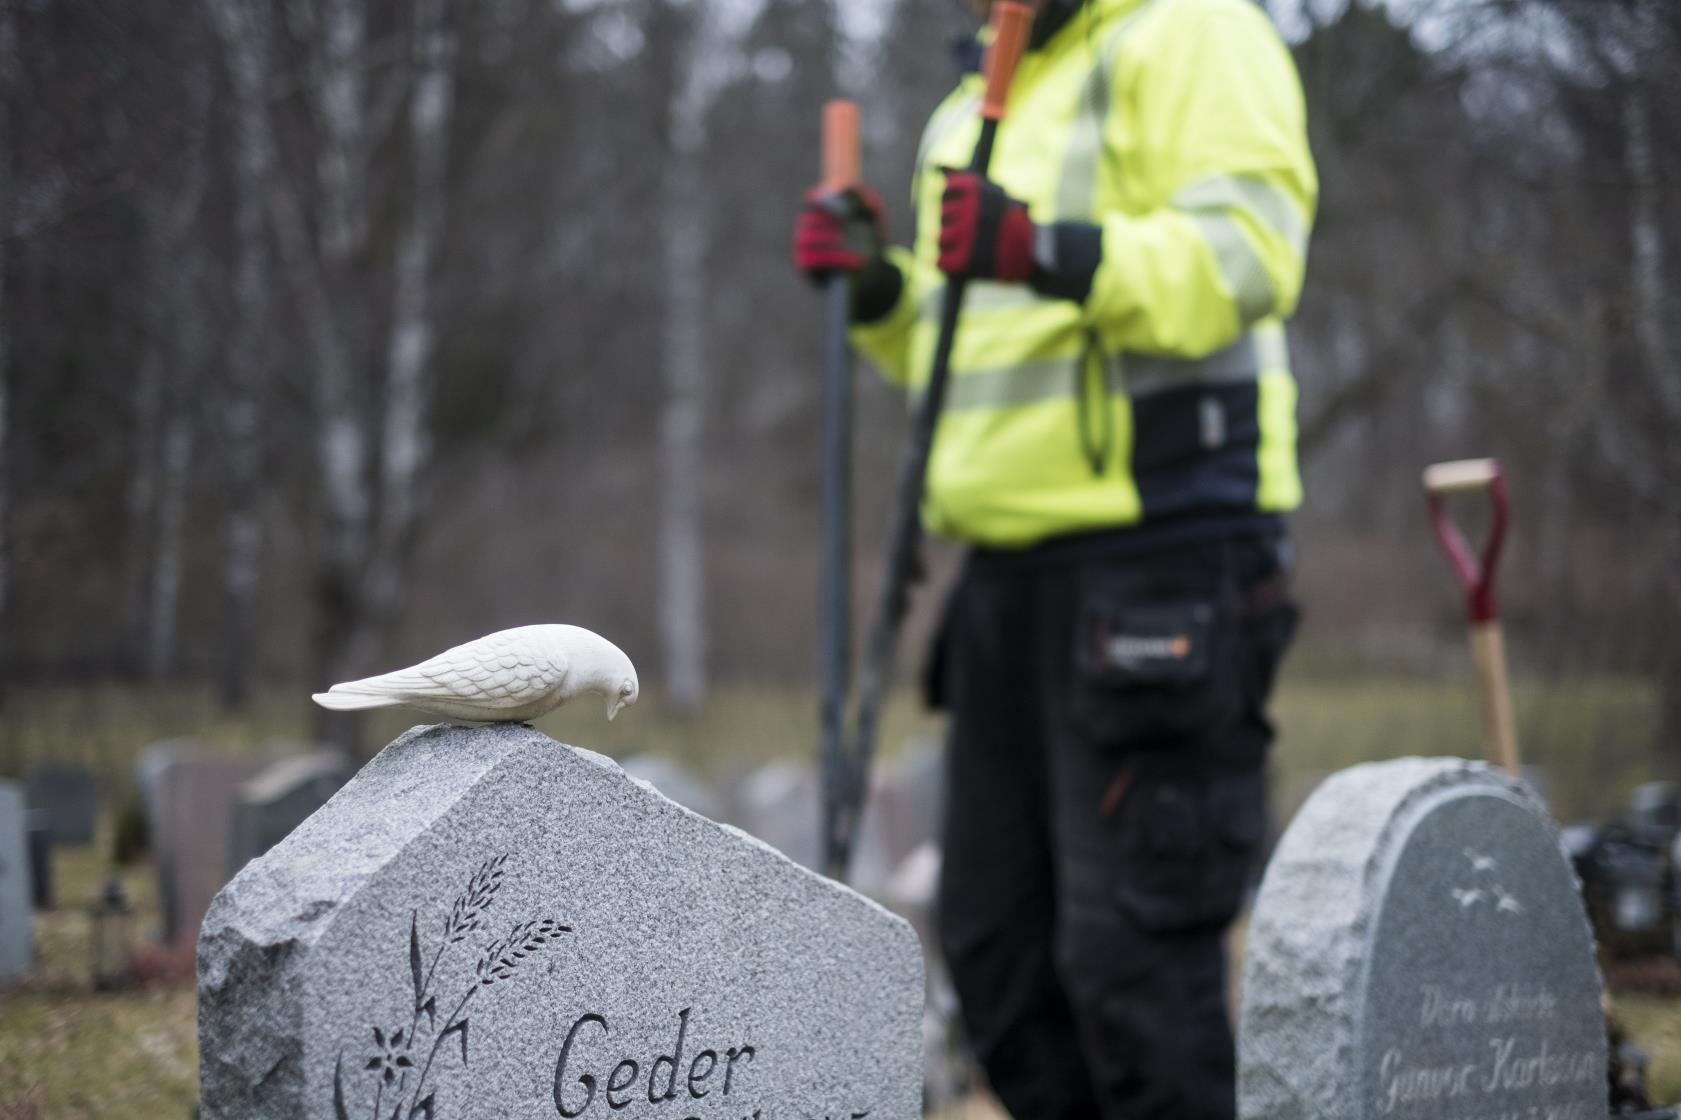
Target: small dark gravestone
x,y
280,797
38,835
485,923
69,796
17,928
1419,952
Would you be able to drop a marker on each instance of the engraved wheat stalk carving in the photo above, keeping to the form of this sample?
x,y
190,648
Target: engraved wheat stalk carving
x,y
498,962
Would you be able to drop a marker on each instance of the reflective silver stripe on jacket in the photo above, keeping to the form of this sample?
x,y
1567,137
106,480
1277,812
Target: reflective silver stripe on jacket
x,y
1240,265
1151,375
1076,191
1140,377
1265,202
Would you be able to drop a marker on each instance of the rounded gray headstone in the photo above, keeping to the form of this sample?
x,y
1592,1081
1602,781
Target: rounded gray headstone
x,y
486,923
1419,951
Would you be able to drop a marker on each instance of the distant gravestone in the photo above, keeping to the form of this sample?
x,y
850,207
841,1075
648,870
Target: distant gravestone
x,y
673,780
485,923
280,797
780,804
902,815
1419,951
16,924
69,797
154,759
192,803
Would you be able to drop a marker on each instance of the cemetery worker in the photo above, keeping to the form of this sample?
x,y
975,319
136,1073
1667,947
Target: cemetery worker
x,y
1116,448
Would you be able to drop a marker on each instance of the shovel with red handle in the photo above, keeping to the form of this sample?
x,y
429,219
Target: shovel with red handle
x,y
1476,577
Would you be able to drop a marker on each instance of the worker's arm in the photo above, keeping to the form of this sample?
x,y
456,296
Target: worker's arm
x,y
1219,109
1216,109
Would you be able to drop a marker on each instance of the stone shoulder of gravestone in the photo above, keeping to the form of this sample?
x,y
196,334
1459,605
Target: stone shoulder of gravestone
x,y
1419,950
16,923
486,923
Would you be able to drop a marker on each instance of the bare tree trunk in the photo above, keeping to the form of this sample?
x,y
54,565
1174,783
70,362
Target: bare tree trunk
x,y
245,30
1646,284
343,618
168,402
163,614
405,448
682,578
8,224
141,500
1647,251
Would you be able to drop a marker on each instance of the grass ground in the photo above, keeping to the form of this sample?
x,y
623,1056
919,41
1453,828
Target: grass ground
x,y
66,1052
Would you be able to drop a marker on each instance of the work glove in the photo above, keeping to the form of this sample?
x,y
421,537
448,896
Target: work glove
x,y
844,231
838,231
984,233
987,235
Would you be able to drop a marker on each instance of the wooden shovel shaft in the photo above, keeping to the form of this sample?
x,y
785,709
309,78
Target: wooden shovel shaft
x,y
1500,737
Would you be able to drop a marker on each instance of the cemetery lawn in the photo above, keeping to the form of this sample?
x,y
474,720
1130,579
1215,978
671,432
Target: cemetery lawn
x,y
68,1052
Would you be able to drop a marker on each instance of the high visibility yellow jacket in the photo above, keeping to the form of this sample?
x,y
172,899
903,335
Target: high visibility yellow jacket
x,y
1177,127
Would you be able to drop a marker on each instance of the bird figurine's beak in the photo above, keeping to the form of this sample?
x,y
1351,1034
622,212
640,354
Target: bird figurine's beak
x,y
613,708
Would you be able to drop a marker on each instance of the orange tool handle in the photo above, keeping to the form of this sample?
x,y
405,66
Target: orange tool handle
x,y
840,145
1011,22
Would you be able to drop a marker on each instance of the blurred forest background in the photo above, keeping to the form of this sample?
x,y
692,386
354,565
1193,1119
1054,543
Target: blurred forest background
x,y
333,332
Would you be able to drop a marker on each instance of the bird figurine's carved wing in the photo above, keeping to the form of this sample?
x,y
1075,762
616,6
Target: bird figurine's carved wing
x,y
516,674
499,669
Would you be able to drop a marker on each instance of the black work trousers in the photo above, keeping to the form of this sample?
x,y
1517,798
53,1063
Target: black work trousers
x,y
1105,805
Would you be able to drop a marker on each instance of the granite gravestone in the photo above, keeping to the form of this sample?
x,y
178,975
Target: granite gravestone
x,y
279,798
16,926
1419,951
69,796
191,802
485,923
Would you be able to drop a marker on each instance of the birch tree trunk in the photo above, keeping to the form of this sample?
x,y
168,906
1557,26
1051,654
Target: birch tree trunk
x,y
1652,343
8,226
245,30
342,616
682,577
1647,252
168,391
141,500
405,447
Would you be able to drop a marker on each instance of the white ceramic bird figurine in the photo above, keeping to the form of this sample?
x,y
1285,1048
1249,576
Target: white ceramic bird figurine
x,y
506,677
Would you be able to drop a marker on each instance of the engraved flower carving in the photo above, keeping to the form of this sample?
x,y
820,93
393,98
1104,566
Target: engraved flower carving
x,y
391,1057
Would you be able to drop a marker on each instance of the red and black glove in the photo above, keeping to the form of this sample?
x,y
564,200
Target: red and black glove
x,y
845,232
984,233
838,231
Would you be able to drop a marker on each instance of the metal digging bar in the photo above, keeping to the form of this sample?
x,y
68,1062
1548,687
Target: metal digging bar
x,y
847,766
840,171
